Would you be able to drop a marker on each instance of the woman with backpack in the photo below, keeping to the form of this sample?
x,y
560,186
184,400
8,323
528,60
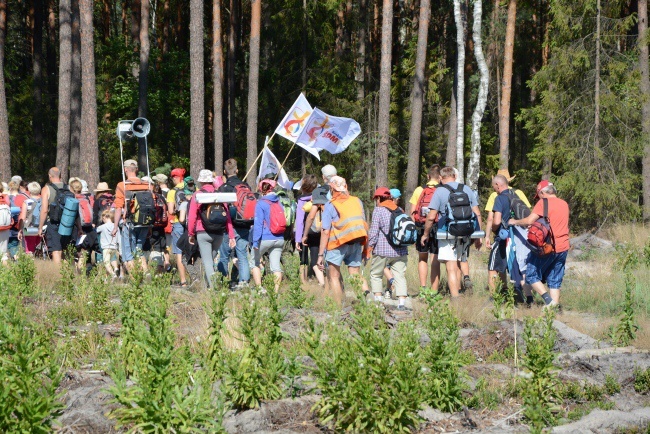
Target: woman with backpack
x,y
87,237
208,222
308,227
268,232
30,213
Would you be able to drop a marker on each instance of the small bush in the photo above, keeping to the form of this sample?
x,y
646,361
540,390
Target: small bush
x,y
642,380
612,385
627,327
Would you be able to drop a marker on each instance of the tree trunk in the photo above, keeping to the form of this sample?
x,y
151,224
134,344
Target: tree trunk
x,y
645,105
253,82
492,47
5,151
417,99
143,79
233,33
597,83
197,89
37,88
65,87
381,155
75,99
165,29
51,55
473,170
305,35
450,157
360,75
89,142
135,21
106,20
460,93
506,87
217,82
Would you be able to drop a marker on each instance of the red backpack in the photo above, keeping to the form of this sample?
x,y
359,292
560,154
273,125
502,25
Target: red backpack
x,y
161,217
277,220
423,202
85,210
245,205
540,235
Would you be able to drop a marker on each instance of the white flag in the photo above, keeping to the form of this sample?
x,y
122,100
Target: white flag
x,y
269,166
330,133
295,119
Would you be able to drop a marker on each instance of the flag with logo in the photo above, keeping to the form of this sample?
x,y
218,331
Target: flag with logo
x,y
294,122
269,167
330,133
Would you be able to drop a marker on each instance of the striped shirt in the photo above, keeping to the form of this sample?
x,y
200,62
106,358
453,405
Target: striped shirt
x,y
377,240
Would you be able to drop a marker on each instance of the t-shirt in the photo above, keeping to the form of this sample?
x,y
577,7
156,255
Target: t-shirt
x,y
441,197
558,215
490,203
418,191
331,215
171,198
106,239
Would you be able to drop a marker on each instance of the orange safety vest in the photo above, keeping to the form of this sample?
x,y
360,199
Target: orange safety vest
x,y
351,225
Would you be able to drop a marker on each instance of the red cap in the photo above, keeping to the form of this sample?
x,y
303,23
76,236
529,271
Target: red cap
x,y
542,185
381,192
178,172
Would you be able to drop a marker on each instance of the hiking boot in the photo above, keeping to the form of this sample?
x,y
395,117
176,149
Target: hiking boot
x,y
552,305
388,295
467,284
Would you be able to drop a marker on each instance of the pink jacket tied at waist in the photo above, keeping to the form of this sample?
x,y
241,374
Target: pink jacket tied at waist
x,y
194,223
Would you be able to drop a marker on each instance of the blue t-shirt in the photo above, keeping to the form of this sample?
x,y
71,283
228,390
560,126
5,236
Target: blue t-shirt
x,y
502,205
441,197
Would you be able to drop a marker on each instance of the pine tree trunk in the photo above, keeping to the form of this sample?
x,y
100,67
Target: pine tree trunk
x,y
597,83
506,87
417,99
473,170
166,25
143,79
253,82
217,82
75,99
106,20
5,151
450,157
65,87
89,143
305,35
197,89
233,33
645,105
381,156
460,93
360,74
50,63
135,21
37,87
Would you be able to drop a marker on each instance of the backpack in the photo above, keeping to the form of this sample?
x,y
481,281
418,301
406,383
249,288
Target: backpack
x,y
461,220
317,224
85,211
540,235
277,220
5,214
289,208
518,209
424,200
214,218
161,218
56,207
402,230
245,205
180,196
102,203
33,217
142,210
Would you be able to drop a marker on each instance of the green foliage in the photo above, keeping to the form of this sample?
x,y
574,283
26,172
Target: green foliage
x,y
504,302
642,380
485,396
540,388
612,385
217,315
295,296
23,274
627,327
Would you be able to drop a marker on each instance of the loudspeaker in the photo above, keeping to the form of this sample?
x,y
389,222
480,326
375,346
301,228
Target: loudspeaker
x,y
139,128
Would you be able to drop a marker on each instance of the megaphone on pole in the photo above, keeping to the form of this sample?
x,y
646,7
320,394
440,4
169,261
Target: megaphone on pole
x,y
127,129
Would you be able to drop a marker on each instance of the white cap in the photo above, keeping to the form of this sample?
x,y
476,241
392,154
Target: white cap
x,y
328,171
147,179
84,187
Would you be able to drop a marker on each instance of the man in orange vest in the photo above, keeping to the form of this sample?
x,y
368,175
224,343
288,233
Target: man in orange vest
x,y
344,236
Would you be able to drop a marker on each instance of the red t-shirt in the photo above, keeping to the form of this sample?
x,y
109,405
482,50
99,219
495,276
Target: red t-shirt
x,y
558,215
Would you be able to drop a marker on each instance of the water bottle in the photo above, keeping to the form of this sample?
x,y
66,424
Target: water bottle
x,y
68,217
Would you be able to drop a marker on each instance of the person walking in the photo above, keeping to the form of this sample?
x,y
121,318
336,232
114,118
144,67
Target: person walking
x,y
30,213
177,197
51,209
312,228
309,250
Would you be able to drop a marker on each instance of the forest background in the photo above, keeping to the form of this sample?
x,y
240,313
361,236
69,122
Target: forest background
x,y
555,89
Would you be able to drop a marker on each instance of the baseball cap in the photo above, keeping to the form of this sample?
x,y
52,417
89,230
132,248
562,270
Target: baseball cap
x,y
189,180
338,183
395,193
131,163
160,178
541,186
84,187
147,179
381,191
178,172
328,171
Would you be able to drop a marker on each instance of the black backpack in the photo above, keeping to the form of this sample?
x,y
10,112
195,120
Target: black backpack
x,y
214,218
518,209
142,207
56,207
461,220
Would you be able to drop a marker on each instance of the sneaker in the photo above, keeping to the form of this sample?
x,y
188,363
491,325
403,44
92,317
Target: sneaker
x,y
403,308
388,295
552,304
467,283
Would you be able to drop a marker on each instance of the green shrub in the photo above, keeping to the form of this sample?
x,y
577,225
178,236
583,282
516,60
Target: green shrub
x,y
295,296
503,299
627,327
485,396
642,380
612,385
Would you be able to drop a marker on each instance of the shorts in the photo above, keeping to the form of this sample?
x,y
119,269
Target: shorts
x,y
549,268
349,254
109,255
177,232
12,246
56,242
133,241
4,239
447,251
431,246
498,260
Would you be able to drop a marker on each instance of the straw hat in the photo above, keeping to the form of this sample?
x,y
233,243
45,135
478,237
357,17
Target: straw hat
x,y
102,186
506,173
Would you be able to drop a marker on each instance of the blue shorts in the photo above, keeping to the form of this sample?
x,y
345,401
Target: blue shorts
x,y
549,269
177,231
13,246
349,254
133,241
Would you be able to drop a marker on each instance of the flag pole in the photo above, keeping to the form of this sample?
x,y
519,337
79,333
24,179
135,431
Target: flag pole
x,y
258,157
285,160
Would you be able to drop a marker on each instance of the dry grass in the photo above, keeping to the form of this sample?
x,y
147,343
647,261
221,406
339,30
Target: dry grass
x,y
635,234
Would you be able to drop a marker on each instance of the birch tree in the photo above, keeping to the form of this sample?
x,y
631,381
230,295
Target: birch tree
x,y
381,156
473,169
253,83
417,99
5,159
460,93
644,68
506,87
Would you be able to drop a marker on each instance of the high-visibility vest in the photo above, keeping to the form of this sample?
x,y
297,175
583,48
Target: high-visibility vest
x,y
351,225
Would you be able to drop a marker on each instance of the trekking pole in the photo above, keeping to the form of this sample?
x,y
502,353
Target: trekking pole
x,y
285,160
258,157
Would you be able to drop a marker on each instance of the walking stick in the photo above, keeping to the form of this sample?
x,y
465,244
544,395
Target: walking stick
x,y
285,160
258,157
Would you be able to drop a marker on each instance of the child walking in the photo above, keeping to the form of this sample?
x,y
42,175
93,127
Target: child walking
x,y
109,242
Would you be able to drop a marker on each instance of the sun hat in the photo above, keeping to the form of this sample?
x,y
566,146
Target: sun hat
x,y
506,174
131,163
328,171
205,176
178,172
395,193
338,183
380,192
541,186
102,186
319,195
160,178
147,179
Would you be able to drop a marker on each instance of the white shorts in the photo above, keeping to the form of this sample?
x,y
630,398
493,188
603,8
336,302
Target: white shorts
x,y
4,244
447,251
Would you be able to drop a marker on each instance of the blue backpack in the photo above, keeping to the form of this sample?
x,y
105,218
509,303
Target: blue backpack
x,y
403,231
